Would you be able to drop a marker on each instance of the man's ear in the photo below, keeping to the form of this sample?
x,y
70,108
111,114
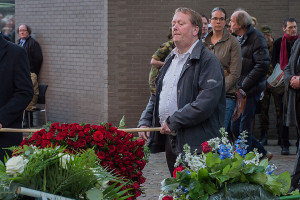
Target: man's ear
x,y
284,29
196,30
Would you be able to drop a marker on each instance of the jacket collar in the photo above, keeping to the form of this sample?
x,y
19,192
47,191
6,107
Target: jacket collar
x,y
197,51
224,38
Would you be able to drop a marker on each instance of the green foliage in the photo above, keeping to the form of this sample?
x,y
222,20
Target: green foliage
x,y
122,123
79,178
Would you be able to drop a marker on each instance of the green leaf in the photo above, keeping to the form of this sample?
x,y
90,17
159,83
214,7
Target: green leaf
x,y
210,187
212,159
250,156
273,185
258,178
202,174
122,123
264,163
169,184
285,180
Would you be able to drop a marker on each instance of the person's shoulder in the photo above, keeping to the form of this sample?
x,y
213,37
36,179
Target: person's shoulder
x,y
278,40
15,48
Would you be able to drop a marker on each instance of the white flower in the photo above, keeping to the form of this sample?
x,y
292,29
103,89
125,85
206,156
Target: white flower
x,y
64,160
16,165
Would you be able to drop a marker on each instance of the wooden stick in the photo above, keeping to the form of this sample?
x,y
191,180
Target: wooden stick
x,y
18,130
129,130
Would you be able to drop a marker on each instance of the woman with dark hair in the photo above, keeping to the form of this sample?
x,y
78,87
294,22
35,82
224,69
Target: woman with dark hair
x,y
228,50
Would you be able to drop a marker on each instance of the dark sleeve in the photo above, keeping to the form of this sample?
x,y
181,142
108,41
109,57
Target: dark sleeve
x,y
276,52
288,73
147,115
37,57
211,81
23,89
261,60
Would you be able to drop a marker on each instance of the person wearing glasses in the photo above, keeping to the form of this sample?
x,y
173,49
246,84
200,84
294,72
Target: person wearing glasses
x,y
35,56
228,50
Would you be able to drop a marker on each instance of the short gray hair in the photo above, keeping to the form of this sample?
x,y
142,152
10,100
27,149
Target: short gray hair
x,y
243,19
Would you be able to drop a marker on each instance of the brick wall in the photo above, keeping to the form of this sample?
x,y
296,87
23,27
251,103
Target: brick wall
x,y
97,53
73,36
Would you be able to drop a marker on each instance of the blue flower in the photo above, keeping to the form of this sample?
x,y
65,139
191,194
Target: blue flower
x,y
224,151
188,172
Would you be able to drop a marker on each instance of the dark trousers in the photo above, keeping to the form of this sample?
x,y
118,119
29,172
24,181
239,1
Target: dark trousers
x,y
296,174
244,123
171,154
283,129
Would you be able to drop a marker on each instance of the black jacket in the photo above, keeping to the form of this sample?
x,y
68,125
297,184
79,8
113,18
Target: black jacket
x,y
255,64
35,55
16,91
200,101
277,48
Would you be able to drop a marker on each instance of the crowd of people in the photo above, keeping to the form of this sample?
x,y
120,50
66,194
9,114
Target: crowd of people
x,y
212,73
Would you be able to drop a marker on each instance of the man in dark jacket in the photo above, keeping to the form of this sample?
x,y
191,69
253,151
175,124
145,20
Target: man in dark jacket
x,y
292,83
252,82
281,54
190,93
35,56
16,92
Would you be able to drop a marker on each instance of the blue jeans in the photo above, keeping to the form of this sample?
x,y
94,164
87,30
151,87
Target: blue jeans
x,y
230,105
244,123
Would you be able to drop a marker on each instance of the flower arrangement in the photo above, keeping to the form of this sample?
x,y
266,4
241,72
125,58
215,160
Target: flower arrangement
x,y
220,165
52,170
117,150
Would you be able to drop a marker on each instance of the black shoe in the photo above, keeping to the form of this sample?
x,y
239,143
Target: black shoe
x,y
285,151
263,141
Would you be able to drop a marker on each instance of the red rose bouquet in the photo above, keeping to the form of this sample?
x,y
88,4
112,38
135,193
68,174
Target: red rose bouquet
x,y
118,151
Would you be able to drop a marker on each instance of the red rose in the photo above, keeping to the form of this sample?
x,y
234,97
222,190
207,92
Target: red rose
x,y
205,147
177,169
135,185
142,179
101,155
88,139
167,198
98,136
140,142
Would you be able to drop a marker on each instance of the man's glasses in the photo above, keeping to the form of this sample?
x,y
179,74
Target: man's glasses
x,y
220,19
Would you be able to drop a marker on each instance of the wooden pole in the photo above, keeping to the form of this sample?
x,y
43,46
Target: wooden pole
x,y
129,130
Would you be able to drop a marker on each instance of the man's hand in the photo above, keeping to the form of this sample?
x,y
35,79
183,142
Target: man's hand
x,y
165,129
295,82
0,125
144,135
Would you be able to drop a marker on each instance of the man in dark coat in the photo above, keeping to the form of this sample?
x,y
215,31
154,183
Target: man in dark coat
x,y
190,93
255,65
35,56
281,54
292,84
16,92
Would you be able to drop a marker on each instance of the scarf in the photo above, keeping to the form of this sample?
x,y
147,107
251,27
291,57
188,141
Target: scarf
x,y
283,50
